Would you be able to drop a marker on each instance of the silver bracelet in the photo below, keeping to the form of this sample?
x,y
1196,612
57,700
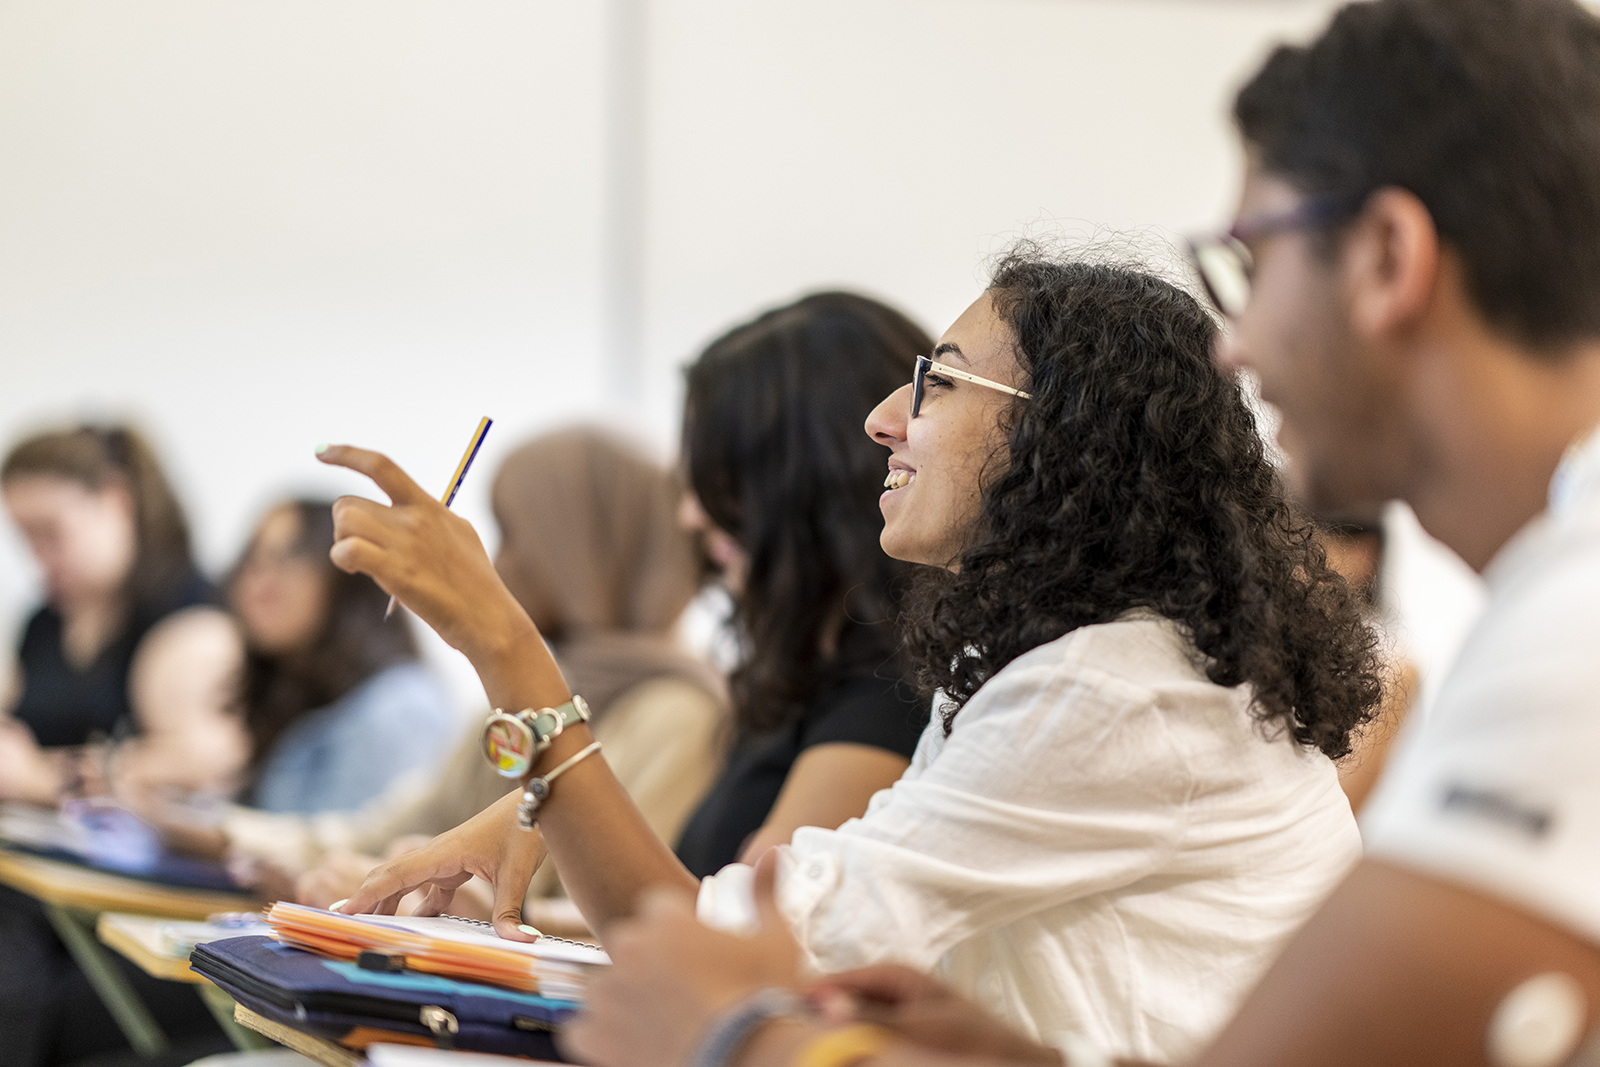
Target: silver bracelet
x,y
733,1027
537,790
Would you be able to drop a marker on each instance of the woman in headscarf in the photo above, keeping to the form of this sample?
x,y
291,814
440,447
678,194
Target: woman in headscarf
x,y
591,547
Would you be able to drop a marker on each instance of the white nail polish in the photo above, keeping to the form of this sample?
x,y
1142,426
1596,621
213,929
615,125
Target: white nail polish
x,y
529,930
336,905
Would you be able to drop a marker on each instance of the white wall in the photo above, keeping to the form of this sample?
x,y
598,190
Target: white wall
x,y
259,225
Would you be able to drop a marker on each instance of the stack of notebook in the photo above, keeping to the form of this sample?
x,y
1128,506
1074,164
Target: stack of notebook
x,y
363,978
445,945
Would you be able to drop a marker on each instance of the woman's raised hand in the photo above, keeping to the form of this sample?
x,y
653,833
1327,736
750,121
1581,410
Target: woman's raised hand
x,y
488,845
419,551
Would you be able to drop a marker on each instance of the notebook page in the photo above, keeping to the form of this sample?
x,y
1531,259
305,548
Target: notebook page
x,y
459,931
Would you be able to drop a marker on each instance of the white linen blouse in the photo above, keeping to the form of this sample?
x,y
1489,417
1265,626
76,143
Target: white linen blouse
x,y
1107,844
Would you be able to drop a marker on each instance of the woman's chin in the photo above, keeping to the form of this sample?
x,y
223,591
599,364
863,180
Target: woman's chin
x,y
897,546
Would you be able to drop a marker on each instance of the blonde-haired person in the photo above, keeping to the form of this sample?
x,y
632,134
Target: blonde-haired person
x,y
127,644
591,547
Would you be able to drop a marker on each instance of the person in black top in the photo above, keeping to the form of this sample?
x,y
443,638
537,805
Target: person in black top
x,y
865,710
784,488
126,646
126,643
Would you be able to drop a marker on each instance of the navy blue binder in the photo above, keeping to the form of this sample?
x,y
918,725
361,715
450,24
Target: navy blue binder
x,y
330,998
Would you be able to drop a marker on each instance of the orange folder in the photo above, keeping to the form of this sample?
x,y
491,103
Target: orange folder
x,y
444,945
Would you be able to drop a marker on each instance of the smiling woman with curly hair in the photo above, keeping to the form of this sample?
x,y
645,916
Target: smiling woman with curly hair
x,y
1127,803
1138,482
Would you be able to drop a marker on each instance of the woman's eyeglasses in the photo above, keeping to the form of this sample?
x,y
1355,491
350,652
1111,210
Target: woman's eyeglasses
x,y
925,364
1224,262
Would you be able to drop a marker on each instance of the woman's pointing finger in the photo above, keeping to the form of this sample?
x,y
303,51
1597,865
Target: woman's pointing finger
x,y
380,468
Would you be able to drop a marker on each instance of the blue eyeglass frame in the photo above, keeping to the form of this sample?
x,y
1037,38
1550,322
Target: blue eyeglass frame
x,y
1308,214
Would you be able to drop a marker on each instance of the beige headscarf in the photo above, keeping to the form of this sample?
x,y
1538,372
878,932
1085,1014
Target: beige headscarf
x,y
590,540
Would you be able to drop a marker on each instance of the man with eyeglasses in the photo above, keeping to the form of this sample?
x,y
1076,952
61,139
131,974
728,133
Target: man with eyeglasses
x,y
1414,276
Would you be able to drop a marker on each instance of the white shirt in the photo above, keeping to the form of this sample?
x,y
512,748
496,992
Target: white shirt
x,y
1429,600
1107,844
1500,787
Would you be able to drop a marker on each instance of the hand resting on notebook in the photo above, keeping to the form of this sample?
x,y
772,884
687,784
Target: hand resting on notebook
x,y
487,845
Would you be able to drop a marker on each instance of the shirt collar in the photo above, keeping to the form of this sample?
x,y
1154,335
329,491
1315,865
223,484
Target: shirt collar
x,y
1577,477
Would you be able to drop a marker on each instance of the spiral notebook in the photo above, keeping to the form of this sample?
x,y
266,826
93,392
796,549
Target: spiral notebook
x,y
445,945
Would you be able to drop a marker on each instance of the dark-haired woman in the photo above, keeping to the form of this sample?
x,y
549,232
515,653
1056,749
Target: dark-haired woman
x,y
784,492
1127,801
334,699
127,645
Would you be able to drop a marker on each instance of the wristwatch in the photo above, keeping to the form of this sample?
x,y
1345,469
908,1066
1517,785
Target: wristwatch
x,y
511,743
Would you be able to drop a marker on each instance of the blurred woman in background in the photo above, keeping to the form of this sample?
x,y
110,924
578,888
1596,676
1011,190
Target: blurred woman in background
x,y
334,699
127,644
785,491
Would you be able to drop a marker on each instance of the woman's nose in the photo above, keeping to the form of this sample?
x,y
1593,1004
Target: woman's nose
x,y
887,423
691,516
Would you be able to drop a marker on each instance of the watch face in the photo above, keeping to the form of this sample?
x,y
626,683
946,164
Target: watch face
x,y
508,745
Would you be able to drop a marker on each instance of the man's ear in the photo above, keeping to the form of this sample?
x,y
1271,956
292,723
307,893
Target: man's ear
x,y
1390,262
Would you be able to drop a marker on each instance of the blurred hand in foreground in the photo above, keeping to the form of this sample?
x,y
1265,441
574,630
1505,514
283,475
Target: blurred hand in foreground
x,y
671,977
925,1010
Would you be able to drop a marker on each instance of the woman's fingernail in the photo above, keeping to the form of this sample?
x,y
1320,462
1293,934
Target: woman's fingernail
x,y
336,905
322,448
529,930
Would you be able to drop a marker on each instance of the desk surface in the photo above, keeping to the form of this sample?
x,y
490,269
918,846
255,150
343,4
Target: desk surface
x,y
320,1049
138,937
71,886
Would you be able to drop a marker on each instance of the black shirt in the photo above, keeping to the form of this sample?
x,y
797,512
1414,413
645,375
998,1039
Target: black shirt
x,y
63,705
861,709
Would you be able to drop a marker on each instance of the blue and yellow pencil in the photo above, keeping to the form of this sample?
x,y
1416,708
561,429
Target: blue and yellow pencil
x,y
461,473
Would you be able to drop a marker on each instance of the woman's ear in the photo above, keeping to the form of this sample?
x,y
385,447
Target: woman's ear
x,y
1390,264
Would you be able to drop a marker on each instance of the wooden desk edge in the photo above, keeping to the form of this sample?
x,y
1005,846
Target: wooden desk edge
x,y
54,882
323,1051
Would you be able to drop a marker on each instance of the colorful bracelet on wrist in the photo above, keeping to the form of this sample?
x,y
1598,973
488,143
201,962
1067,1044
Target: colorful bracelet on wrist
x,y
733,1027
841,1048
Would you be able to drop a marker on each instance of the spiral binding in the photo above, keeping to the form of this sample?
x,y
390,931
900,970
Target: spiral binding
x,y
542,936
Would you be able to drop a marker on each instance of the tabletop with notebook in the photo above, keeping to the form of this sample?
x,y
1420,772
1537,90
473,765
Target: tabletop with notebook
x,y
443,981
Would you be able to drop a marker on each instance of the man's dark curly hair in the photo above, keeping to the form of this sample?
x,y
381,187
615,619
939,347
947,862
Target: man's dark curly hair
x,y
1136,478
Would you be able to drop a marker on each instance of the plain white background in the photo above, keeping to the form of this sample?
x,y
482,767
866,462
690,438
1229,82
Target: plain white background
x,y
256,226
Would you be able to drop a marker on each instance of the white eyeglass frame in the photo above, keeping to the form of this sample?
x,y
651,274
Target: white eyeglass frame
x,y
927,363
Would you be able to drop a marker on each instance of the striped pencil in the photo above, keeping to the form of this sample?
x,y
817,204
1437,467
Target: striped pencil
x,y
455,482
